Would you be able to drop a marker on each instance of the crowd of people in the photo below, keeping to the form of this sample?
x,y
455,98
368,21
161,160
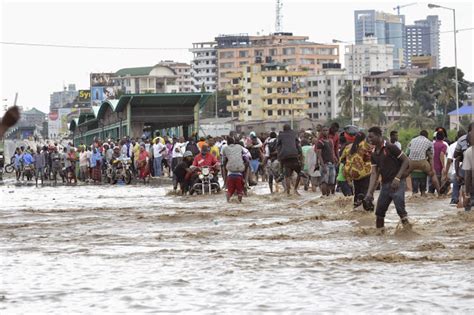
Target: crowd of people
x,y
329,159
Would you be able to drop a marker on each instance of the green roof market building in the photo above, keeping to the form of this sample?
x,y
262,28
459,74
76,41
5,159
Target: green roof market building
x,y
176,114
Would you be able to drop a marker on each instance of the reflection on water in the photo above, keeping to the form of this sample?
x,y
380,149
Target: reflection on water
x,y
136,249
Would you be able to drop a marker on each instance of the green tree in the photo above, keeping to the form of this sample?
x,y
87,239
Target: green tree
x,y
209,109
446,95
417,118
427,88
373,115
397,99
345,99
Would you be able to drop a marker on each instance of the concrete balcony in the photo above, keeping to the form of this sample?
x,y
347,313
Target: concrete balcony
x,y
286,107
284,73
299,95
286,84
237,97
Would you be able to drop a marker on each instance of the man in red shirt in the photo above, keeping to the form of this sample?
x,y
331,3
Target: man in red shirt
x,y
205,158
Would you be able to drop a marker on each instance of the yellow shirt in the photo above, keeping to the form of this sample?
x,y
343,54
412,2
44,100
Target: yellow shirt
x,y
357,165
215,151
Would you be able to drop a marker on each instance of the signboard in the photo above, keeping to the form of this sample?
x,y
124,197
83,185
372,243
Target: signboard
x,y
62,113
84,96
53,125
102,79
103,87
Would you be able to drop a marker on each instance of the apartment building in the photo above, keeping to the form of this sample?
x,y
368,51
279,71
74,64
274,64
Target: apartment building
x,y
376,85
204,66
183,71
369,56
323,89
236,51
141,80
267,95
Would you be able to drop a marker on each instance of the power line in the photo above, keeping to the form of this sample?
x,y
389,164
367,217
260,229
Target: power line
x,y
90,47
169,48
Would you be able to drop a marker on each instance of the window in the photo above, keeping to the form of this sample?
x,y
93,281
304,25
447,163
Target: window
x,y
235,92
235,103
305,61
249,102
279,101
227,65
226,54
278,79
248,80
315,93
273,52
270,101
258,52
291,61
270,112
289,51
249,113
249,91
235,81
307,51
243,63
329,93
243,53
248,69
269,90
269,79
279,112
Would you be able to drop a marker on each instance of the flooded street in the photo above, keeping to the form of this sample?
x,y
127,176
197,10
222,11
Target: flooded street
x,y
102,249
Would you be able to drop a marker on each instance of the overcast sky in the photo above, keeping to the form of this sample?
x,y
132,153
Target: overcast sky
x,y
36,72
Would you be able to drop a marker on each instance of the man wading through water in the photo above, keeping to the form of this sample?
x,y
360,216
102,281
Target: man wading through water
x,y
390,163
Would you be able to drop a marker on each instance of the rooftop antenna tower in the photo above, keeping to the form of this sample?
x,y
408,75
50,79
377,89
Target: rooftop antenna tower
x,y
279,16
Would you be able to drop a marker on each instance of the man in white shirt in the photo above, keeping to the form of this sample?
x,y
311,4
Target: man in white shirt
x,y
450,172
158,150
468,166
179,148
83,164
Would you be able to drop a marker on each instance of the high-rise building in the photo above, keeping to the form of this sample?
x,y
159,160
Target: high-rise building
x,y
63,98
369,56
388,28
422,39
235,51
204,66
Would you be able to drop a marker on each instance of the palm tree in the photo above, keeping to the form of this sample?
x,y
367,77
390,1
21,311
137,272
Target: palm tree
x,y
374,115
345,99
397,99
416,117
446,95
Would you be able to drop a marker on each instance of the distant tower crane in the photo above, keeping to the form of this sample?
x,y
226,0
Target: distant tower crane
x,y
398,7
279,16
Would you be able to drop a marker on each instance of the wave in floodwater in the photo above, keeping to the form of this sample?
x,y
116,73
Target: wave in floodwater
x,y
137,249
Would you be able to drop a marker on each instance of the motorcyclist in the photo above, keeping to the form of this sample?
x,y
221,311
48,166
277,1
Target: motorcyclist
x,y
28,161
205,158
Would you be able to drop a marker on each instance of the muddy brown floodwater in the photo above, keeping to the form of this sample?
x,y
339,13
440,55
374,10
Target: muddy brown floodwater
x,y
101,249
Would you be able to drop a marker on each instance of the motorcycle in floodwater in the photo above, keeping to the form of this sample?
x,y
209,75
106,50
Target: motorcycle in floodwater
x,y
10,167
206,182
119,170
28,171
